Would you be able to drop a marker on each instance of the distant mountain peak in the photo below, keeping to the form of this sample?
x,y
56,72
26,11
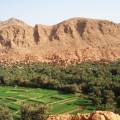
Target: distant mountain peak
x,y
12,21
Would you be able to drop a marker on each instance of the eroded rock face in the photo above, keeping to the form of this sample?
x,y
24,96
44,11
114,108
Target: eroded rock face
x,y
98,115
71,41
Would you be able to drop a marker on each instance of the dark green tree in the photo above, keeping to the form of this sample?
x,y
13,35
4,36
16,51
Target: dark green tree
x,y
34,112
5,114
108,97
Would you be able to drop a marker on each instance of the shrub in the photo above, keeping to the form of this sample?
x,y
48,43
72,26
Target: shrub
x,y
73,88
5,114
34,112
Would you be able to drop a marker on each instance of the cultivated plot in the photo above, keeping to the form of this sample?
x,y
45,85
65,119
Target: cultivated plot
x,y
57,102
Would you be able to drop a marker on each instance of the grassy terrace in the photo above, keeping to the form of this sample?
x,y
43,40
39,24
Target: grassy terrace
x,y
14,98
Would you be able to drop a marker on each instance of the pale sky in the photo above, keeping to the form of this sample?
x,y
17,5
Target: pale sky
x,y
54,11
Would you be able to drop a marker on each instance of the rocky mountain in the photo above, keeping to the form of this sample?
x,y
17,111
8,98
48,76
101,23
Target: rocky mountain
x,y
98,115
71,41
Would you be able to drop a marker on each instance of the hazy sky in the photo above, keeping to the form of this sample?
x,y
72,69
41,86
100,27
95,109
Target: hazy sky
x,y
54,11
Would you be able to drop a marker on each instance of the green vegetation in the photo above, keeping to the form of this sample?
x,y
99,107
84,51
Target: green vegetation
x,y
16,97
4,113
34,112
100,82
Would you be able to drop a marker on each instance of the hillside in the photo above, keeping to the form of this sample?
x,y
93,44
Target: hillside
x,y
71,41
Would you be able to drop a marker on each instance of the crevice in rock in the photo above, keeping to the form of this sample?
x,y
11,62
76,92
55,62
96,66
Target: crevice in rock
x,y
53,35
36,35
81,27
5,42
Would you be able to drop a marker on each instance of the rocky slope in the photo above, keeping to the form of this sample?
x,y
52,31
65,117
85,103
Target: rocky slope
x,y
98,115
71,41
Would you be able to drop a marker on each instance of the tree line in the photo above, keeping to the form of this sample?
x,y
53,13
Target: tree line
x,y
99,81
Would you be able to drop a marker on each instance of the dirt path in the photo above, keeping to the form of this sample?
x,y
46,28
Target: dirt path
x,y
74,110
68,101
61,101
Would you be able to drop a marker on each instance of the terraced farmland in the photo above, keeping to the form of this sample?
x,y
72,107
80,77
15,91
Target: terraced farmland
x,y
14,98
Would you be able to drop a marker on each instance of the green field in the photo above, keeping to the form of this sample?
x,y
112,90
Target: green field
x,y
58,103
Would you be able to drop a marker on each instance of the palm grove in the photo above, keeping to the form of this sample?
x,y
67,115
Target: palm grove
x,y
100,82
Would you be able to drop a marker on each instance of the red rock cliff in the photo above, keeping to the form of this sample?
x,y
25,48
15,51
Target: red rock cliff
x,y
70,41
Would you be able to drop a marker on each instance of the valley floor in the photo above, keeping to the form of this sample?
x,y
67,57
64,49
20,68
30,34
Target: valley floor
x,y
58,103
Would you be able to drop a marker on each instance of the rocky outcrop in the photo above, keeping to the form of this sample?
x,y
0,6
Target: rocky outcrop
x,y
71,41
15,34
98,115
